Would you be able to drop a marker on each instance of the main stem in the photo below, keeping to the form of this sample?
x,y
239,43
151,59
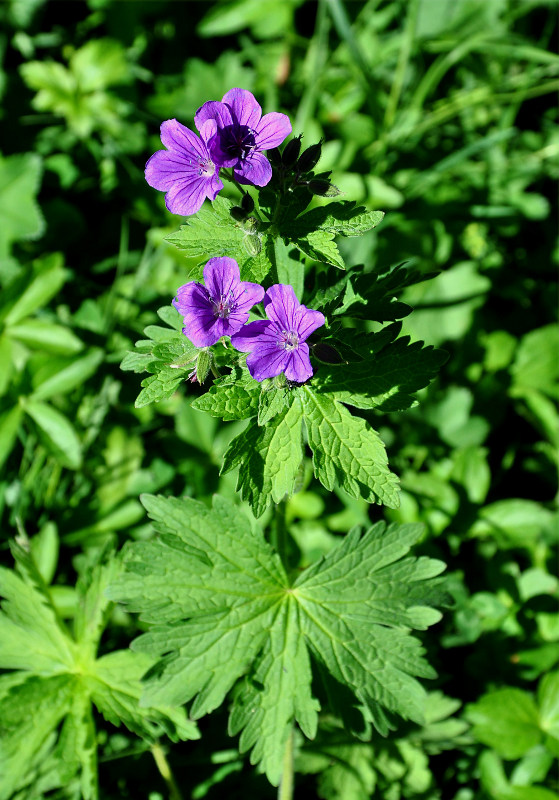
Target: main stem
x,y
285,791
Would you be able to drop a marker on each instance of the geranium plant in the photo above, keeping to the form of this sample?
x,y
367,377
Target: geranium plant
x,y
226,609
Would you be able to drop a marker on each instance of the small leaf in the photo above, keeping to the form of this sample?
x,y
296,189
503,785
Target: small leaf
x,y
268,458
57,433
347,452
230,400
159,387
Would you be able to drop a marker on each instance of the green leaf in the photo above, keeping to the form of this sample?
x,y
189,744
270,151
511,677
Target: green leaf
x,y
56,432
221,608
347,452
506,720
58,677
268,458
320,246
20,177
211,232
385,380
31,709
100,63
46,336
33,291
30,635
535,365
230,398
548,701
160,386
116,689
75,374
9,426
273,400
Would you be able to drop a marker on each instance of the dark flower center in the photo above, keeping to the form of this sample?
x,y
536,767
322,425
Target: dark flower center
x,y
223,307
238,141
288,340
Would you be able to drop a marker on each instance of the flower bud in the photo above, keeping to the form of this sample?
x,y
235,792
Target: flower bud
x,y
203,365
251,226
327,354
310,158
291,152
247,203
274,156
252,244
323,188
238,213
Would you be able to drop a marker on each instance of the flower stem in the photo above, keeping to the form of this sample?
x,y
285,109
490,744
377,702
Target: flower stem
x,y
165,771
285,791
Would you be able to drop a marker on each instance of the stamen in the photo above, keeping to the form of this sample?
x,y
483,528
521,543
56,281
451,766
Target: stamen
x,y
289,340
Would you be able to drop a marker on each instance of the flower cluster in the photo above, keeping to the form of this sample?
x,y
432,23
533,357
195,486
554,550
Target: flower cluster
x,y
221,308
233,133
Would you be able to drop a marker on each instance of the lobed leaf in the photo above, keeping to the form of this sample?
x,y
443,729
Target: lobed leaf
x,y
222,609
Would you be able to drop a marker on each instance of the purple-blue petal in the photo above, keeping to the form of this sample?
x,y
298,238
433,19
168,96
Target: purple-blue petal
x,y
255,170
266,362
221,276
299,368
249,335
244,107
272,129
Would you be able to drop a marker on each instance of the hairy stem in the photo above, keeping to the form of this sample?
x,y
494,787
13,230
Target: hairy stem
x,y
285,791
165,771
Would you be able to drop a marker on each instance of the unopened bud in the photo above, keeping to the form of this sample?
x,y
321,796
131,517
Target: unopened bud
x,y
323,188
327,354
247,203
203,365
251,226
274,156
238,213
252,244
291,152
310,158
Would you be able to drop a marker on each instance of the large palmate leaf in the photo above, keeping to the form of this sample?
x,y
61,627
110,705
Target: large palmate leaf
x,y
56,677
222,608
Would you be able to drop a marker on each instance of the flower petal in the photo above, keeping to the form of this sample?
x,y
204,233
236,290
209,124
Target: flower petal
x,y
248,294
165,167
192,298
208,130
308,321
221,276
281,304
299,368
179,138
272,130
187,198
267,362
255,170
244,107
213,110
201,329
248,337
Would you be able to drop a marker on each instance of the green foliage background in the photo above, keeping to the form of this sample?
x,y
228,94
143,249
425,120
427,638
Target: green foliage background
x,y
441,113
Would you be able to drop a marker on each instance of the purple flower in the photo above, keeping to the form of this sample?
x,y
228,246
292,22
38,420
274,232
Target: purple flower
x,y
185,171
242,134
220,307
278,344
